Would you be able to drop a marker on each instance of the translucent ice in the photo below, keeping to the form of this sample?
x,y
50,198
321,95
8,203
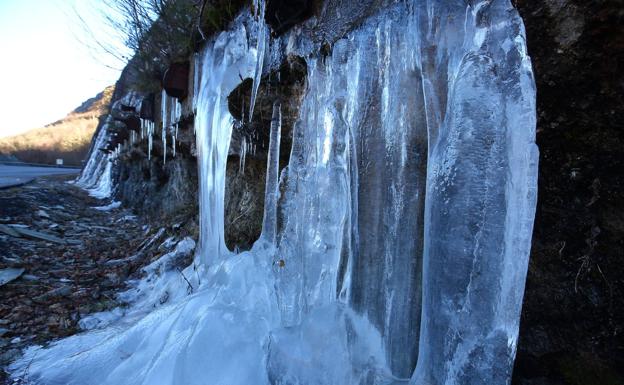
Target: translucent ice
x,y
481,191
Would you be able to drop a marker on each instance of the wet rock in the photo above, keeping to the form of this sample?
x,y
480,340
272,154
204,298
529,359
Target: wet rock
x,y
573,308
11,261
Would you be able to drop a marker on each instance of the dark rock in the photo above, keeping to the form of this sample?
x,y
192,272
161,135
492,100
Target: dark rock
x,y
286,84
175,80
133,123
573,312
128,108
281,15
147,108
244,205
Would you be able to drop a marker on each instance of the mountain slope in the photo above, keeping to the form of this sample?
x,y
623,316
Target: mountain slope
x,y
68,138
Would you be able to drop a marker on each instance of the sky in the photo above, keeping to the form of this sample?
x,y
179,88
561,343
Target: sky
x,y
45,69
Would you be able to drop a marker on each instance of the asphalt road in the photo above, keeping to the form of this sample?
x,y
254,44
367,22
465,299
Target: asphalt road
x,y
16,175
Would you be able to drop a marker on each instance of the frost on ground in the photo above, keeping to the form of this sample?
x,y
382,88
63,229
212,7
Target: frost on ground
x,y
421,121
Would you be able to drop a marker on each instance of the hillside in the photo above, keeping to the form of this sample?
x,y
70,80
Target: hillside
x,y
67,138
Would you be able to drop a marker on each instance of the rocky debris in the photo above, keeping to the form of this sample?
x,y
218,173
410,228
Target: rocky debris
x,y
37,235
56,269
9,231
10,274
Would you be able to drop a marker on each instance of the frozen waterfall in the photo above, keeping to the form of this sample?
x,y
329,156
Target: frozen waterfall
x,y
96,174
407,206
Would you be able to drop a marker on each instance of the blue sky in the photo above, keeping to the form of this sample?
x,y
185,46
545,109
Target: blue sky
x,y
45,71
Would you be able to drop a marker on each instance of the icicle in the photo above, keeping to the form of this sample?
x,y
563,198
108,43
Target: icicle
x,y
174,136
259,6
150,143
165,123
178,115
243,151
164,144
269,222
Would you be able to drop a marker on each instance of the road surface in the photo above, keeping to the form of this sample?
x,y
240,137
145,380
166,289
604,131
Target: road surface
x,y
17,175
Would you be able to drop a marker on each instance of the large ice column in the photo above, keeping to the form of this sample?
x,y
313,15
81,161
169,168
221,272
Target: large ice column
x,y
481,191
316,198
228,60
320,339
354,200
390,148
271,195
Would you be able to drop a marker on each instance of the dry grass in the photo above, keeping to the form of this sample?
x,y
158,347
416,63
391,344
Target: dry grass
x,y
68,138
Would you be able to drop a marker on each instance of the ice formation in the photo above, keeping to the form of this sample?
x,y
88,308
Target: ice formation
x,y
170,111
407,208
96,175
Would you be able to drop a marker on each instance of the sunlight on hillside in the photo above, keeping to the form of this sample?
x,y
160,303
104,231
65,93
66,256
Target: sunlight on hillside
x,y
67,139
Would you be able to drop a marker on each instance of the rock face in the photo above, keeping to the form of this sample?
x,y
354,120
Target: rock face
x,y
573,314
175,80
158,189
